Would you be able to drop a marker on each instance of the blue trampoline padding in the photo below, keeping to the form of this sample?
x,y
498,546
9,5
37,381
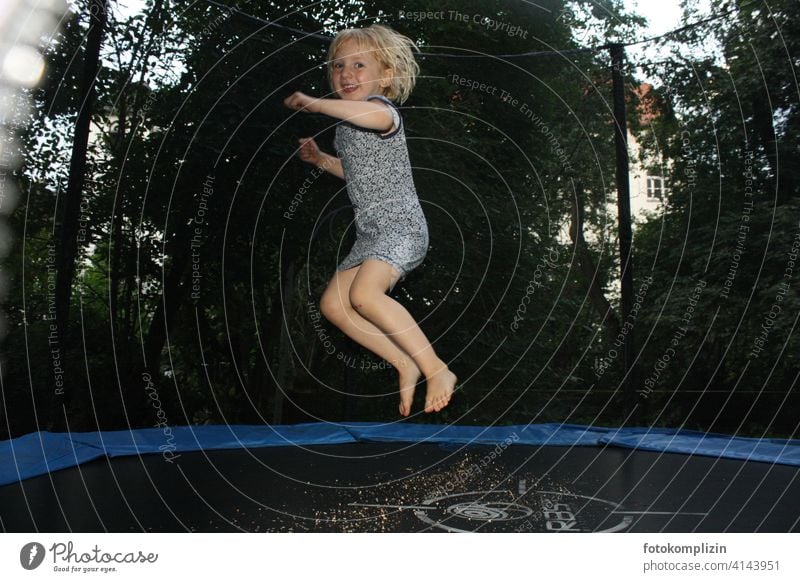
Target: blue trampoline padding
x,y
206,437
39,453
43,452
781,451
533,434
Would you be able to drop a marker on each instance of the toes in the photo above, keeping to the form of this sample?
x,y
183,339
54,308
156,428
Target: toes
x,y
436,405
439,396
406,400
405,405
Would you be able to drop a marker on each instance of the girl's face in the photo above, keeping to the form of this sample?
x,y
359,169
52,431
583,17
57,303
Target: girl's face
x,y
357,74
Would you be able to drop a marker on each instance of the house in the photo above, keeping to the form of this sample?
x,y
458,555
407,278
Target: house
x,y
647,178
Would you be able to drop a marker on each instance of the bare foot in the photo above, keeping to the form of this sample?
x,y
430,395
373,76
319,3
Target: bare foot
x,y
409,376
440,389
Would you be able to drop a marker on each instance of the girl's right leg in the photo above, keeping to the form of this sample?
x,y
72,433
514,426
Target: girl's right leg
x,y
336,307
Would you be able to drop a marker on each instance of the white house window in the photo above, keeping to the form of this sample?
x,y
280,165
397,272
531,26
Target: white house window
x,y
655,188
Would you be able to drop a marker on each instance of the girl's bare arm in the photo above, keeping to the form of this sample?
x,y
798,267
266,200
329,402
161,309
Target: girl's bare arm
x,y
309,152
367,114
331,164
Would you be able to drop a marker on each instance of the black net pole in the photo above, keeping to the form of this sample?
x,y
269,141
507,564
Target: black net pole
x,y
625,233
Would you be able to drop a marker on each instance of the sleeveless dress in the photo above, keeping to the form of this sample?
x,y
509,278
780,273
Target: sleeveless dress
x,y
390,224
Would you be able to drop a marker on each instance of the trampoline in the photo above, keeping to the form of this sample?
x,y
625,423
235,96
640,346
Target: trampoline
x,y
365,477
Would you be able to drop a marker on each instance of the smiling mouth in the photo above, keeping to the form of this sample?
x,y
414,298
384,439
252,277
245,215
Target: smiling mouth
x,y
349,88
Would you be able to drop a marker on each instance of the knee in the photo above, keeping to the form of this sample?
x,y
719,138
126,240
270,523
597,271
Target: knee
x,y
330,304
362,298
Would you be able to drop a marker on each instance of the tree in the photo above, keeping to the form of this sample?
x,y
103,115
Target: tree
x,y
729,128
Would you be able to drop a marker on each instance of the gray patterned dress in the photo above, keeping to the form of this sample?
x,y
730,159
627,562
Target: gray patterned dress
x,y
390,225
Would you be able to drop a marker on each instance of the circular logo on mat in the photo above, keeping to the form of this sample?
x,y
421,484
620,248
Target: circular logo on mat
x,y
31,555
532,511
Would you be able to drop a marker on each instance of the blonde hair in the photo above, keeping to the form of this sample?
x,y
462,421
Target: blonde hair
x,y
391,49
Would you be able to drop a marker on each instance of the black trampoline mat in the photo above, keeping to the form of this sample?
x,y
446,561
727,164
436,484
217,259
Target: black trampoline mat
x,y
396,487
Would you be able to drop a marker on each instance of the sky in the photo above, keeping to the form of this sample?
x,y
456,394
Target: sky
x,y
664,15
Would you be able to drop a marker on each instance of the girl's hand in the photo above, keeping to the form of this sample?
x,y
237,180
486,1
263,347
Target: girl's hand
x,y
299,101
309,151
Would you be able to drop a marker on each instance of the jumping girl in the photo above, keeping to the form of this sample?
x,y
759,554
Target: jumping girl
x,y
367,69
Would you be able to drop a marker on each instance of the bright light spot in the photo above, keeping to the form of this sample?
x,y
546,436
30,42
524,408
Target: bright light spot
x,y
23,65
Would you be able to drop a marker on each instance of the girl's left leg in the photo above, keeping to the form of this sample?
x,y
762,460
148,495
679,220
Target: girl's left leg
x,y
368,297
335,306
